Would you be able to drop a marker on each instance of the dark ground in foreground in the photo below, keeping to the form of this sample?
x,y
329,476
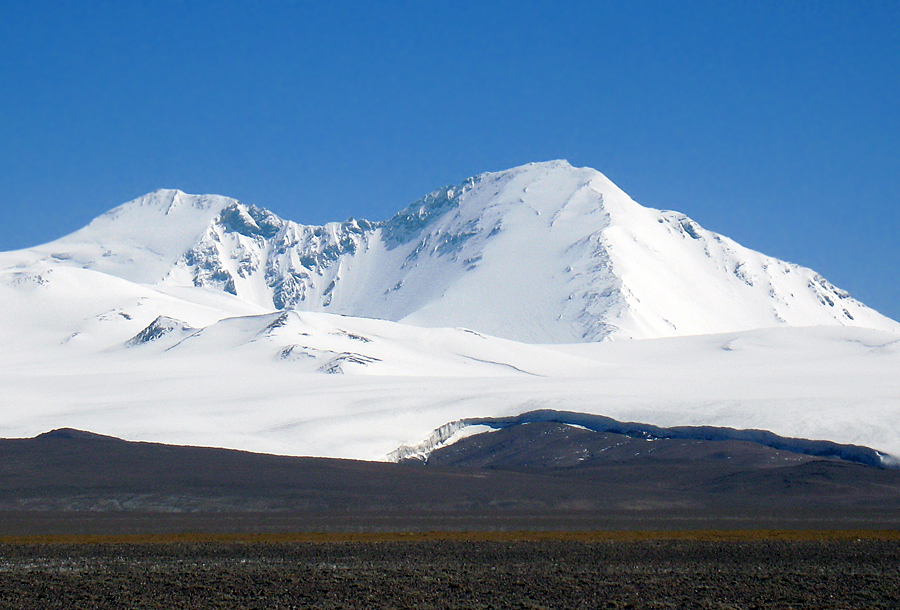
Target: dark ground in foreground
x,y
685,573
541,476
90,522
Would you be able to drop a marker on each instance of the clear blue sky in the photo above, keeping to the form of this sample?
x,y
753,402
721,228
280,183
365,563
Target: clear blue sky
x,y
775,123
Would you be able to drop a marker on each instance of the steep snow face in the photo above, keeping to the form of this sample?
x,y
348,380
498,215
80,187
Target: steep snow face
x,y
255,255
556,254
543,253
510,254
680,279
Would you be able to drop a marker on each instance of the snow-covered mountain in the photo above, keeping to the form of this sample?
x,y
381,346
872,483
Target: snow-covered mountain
x,y
543,253
202,320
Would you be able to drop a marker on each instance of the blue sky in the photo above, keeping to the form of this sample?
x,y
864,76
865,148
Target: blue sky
x,y
775,123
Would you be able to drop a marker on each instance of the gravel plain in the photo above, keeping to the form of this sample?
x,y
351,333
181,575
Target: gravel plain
x,y
454,574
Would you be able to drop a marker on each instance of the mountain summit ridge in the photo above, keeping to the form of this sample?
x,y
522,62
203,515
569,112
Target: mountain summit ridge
x,y
541,253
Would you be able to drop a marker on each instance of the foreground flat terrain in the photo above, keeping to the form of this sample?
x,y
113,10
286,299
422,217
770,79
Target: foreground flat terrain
x,y
446,573
90,522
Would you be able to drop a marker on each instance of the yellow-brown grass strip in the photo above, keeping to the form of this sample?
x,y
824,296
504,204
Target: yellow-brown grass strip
x,y
463,536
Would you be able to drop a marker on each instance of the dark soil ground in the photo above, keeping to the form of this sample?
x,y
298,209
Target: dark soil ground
x,y
423,574
537,476
90,522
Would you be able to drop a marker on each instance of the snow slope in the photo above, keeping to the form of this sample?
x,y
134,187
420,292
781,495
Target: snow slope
x,y
241,389
202,320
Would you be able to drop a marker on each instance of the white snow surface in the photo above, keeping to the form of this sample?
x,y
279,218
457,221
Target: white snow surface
x,y
201,320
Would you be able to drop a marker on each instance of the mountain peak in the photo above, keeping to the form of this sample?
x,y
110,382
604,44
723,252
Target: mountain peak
x,y
166,202
140,240
550,164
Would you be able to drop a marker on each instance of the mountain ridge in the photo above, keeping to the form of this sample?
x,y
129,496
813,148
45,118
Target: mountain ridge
x,y
541,253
